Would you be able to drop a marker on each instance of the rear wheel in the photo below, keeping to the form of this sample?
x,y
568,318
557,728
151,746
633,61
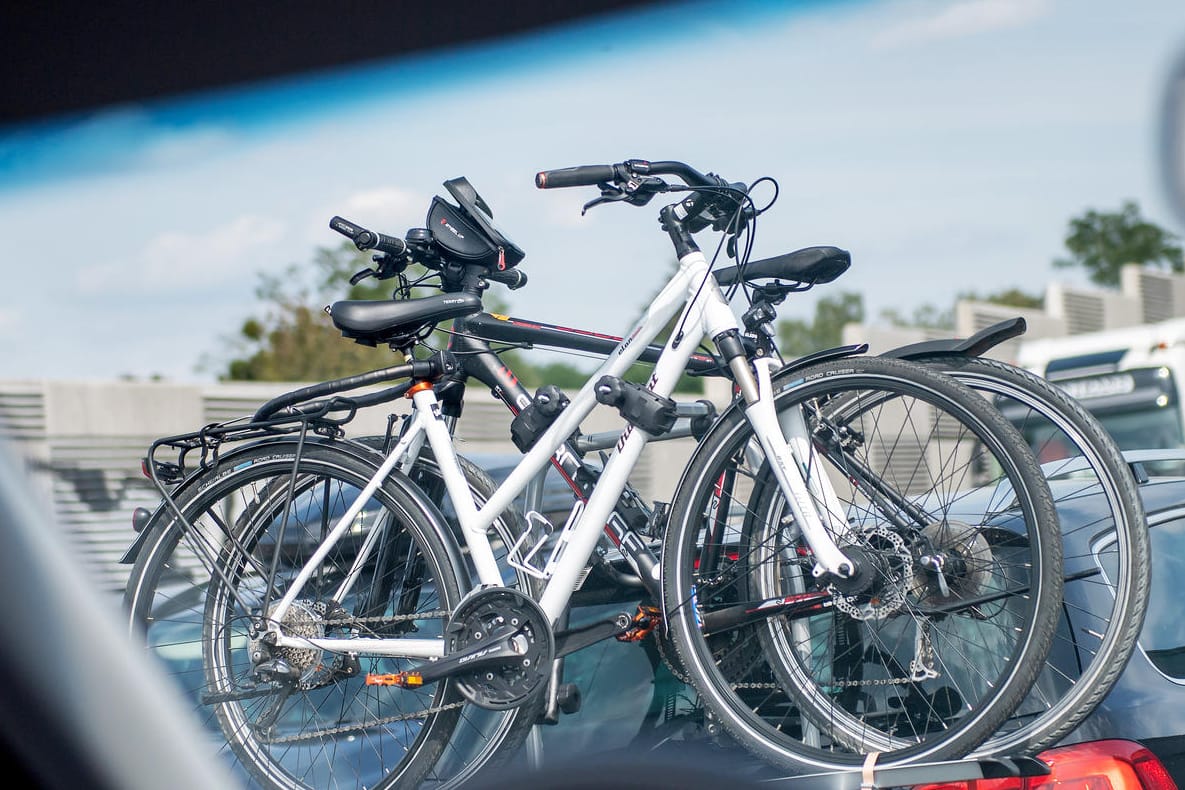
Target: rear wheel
x,y
296,717
1103,525
932,647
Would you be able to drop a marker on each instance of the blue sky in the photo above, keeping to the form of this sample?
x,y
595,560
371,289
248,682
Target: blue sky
x,y
945,143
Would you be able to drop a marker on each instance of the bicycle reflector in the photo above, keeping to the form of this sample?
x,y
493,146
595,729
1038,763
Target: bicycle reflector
x,y
1097,765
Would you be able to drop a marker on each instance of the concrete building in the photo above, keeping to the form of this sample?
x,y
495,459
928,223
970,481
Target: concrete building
x,y
83,442
1145,296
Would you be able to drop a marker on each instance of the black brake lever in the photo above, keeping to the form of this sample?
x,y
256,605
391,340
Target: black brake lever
x,y
362,275
609,194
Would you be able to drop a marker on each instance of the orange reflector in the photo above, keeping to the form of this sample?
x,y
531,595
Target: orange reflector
x,y
401,679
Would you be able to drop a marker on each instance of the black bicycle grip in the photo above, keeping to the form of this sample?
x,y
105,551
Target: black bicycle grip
x,y
367,239
584,175
511,278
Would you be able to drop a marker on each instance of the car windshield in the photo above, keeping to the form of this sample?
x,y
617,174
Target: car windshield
x,y
1139,429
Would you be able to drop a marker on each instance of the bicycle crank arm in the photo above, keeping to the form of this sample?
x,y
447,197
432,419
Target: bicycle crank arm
x,y
496,649
791,606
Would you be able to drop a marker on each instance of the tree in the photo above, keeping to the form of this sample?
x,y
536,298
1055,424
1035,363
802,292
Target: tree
x,y
1102,242
1010,297
294,340
797,338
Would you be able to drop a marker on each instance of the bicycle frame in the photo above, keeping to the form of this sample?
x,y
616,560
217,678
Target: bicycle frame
x,y
705,313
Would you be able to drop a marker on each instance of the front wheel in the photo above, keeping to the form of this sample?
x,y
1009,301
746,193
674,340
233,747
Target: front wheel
x,y
940,637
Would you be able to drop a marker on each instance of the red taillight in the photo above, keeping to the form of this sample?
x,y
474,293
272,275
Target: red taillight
x,y
1097,765
1153,775
1103,765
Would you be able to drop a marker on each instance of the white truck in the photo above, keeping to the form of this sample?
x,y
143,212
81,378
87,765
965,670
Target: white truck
x,y
1128,378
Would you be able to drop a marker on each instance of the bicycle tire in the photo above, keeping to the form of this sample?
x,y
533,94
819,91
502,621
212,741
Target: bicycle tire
x,y
754,678
1108,612
355,749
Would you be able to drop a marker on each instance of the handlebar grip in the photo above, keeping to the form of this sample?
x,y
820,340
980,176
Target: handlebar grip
x,y
367,239
392,245
584,175
511,278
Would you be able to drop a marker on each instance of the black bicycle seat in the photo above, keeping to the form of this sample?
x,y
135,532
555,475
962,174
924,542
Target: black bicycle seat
x,y
812,265
373,322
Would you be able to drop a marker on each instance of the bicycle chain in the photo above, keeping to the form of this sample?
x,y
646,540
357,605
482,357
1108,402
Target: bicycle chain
x,y
360,727
333,731
835,683
391,618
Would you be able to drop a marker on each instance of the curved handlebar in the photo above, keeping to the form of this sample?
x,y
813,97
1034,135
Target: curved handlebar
x,y
368,239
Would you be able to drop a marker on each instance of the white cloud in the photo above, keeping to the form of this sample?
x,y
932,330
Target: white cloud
x,y
964,18
387,201
175,261
387,210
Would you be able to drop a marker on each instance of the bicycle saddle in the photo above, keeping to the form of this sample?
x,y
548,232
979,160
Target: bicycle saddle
x,y
372,322
811,265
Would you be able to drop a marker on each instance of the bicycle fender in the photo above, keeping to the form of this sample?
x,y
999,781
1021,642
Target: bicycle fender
x,y
360,451
133,551
975,346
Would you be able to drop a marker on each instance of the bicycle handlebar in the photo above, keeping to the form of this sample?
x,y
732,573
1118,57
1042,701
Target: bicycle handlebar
x,y
280,402
591,175
368,239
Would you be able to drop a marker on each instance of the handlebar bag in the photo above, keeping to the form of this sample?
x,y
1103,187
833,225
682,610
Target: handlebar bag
x,y
454,232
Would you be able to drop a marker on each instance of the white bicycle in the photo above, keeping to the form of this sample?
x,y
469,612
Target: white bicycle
x,y
861,558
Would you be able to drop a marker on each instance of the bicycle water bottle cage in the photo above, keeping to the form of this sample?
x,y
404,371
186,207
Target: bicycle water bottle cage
x,y
537,417
640,407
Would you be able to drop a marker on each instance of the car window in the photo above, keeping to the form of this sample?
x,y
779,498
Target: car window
x,y
1163,636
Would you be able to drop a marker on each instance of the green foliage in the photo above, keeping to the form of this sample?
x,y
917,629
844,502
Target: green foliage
x,y
925,316
1011,297
796,338
1100,242
294,339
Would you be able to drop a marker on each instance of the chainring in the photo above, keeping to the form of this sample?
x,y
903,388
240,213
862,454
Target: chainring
x,y
518,617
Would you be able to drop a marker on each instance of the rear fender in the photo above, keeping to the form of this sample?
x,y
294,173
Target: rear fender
x,y
975,346
360,451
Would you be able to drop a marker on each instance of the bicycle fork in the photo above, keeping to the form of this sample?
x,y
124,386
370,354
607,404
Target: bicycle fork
x,y
792,459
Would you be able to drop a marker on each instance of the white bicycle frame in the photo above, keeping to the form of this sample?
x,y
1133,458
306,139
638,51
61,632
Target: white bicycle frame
x,y
705,313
